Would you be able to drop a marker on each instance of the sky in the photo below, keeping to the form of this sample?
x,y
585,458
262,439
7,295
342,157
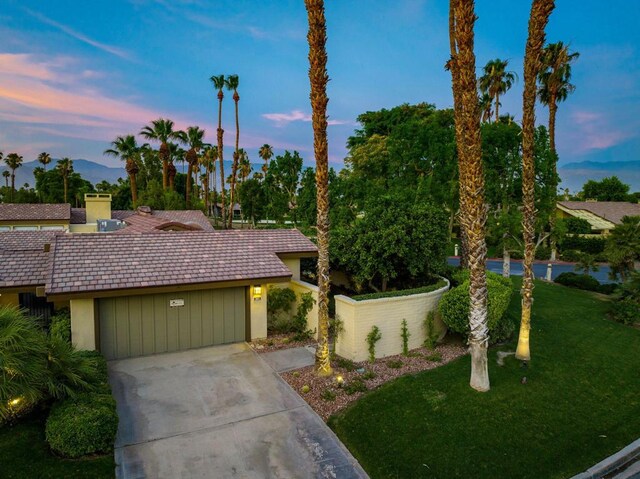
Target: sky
x,y
75,74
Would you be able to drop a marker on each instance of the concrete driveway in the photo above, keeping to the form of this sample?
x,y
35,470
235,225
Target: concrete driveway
x,y
215,413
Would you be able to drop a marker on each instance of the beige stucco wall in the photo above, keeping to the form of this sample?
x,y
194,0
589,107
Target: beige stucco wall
x,y
300,287
359,317
258,313
9,299
83,323
294,266
84,228
98,206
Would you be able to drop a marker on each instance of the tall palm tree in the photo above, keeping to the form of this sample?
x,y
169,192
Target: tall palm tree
x,y
161,130
554,87
207,161
193,138
486,102
496,81
6,175
176,154
232,82
318,78
126,149
44,158
473,217
65,168
244,166
540,12
266,153
13,161
219,83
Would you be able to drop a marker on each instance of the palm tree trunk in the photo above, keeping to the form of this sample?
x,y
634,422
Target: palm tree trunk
x,y
318,78
13,184
553,108
497,107
236,159
65,187
221,158
163,152
540,11
188,187
472,188
134,189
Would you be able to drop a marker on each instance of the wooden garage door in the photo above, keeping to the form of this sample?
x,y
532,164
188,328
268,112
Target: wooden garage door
x,y
158,323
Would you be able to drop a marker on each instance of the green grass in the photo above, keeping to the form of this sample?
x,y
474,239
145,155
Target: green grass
x,y
580,404
24,453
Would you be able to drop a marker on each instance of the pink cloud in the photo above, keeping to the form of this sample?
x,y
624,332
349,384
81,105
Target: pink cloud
x,y
594,131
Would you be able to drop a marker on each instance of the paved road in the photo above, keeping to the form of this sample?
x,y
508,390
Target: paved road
x,y
540,269
218,412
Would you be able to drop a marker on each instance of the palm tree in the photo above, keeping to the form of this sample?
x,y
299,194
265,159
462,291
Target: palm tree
x,y
219,84
206,161
486,102
6,175
211,155
65,168
13,161
232,82
473,217
161,130
540,11
126,149
244,166
318,78
266,153
175,154
44,158
193,138
496,81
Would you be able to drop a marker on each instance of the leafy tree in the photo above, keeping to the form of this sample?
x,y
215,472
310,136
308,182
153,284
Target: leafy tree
x,y
586,264
496,81
623,247
252,200
50,186
284,172
307,201
607,189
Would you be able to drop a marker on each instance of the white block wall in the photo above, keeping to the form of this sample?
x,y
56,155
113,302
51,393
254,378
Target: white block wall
x,y
300,287
359,317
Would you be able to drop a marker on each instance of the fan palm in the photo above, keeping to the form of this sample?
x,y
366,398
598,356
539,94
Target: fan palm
x,y
13,161
193,138
65,168
473,217
244,166
44,158
496,81
232,82
486,102
540,12
176,154
161,130
6,175
126,149
318,78
266,153
219,84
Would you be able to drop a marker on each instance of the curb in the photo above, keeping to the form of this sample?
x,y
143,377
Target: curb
x,y
611,463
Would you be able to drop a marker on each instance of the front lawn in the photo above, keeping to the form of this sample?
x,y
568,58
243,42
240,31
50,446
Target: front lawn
x,y
580,403
24,453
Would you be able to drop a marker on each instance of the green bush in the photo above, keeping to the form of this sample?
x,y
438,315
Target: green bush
x,y
372,338
280,303
592,246
626,312
571,255
402,292
356,385
577,226
579,281
81,426
454,307
431,335
543,253
61,325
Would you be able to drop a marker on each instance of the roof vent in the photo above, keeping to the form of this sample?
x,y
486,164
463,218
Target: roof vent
x,y
106,226
144,210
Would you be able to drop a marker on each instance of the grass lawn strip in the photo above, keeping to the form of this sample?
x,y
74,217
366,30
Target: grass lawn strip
x,y
580,403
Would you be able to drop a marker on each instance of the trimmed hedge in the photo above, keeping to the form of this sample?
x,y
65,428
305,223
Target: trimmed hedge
x,y
454,306
402,292
586,282
593,246
84,425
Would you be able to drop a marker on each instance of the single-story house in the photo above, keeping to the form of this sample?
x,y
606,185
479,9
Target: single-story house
x,y
603,216
139,293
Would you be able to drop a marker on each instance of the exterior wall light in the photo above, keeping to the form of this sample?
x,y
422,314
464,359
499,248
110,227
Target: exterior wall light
x,y
257,293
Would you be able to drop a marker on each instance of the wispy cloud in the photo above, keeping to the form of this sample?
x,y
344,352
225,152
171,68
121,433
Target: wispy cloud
x,y
80,36
594,131
283,119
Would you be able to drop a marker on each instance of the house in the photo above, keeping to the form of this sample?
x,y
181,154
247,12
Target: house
x,y
603,216
97,216
237,211
137,293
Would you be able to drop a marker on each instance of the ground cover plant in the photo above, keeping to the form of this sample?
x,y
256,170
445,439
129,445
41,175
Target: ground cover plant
x,y
578,405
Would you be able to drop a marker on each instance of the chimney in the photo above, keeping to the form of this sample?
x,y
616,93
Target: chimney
x,y
144,210
98,207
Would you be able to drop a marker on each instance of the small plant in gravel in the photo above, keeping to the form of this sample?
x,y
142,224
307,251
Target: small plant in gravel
x,y
431,337
372,338
305,389
405,334
344,363
296,374
394,364
328,395
369,374
356,385
435,357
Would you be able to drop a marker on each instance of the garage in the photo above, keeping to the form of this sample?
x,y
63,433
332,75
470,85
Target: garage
x,y
140,325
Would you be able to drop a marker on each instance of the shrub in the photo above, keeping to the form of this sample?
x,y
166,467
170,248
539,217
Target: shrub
x,y
454,307
344,363
61,325
394,364
577,226
356,385
571,255
279,305
626,312
81,426
402,292
431,335
579,281
328,395
372,338
369,374
405,334
435,357
592,246
543,252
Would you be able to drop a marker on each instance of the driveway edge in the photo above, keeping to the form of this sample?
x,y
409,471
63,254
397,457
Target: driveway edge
x,y
613,462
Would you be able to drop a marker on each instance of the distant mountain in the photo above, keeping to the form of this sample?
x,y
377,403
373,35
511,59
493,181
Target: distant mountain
x,y
574,175
89,170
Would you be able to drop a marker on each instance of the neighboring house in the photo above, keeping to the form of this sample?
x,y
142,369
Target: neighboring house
x,y
603,216
133,294
237,211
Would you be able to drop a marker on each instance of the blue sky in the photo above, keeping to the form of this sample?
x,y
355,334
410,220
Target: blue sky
x,y
74,74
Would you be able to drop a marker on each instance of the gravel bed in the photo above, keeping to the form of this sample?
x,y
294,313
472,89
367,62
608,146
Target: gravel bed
x,y
326,397
276,342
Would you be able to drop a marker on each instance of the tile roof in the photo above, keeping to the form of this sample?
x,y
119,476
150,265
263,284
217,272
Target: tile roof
x,y
187,217
612,211
78,216
152,224
23,261
26,240
34,212
99,262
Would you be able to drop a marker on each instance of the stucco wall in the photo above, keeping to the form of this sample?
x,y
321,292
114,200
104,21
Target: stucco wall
x,y
9,299
300,287
84,228
294,266
83,323
258,312
359,317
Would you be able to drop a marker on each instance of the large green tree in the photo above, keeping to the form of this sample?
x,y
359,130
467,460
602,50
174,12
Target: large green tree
x,y
607,189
